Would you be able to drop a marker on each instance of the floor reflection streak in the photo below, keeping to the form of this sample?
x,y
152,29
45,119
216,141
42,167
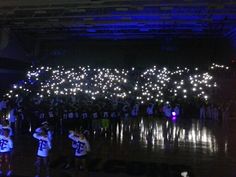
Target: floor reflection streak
x,y
167,134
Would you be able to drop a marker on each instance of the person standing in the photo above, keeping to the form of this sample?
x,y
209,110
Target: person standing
x,y
6,147
45,127
43,151
71,159
135,110
203,112
150,110
81,151
3,107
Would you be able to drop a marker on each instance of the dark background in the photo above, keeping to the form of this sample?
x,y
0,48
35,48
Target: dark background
x,y
139,53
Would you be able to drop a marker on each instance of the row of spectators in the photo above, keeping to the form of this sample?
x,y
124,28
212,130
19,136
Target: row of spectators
x,y
60,94
62,114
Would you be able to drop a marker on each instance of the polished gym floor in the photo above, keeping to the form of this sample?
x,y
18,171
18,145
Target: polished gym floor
x,y
150,147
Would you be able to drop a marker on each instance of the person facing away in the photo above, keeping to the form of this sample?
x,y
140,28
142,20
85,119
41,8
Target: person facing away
x,y
135,110
45,127
44,145
82,149
177,110
6,146
150,110
203,112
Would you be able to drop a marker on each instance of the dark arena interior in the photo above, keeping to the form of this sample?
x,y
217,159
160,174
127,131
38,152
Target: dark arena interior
x,y
118,88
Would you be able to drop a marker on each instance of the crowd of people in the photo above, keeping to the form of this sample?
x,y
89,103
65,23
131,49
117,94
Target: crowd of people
x,y
60,93
94,98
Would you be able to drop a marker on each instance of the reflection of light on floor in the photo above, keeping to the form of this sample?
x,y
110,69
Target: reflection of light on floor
x,y
30,129
159,134
105,134
121,133
117,130
226,146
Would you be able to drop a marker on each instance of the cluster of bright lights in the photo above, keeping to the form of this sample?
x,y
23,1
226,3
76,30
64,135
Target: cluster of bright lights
x,y
156,84
165,85
93,82
217,66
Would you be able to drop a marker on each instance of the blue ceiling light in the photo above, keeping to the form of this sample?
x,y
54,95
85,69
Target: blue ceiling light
x,y
146,17
107,18
128,19
137,21
218,17
91,30
144,29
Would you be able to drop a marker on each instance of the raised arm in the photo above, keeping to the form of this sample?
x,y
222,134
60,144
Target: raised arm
x,y
72,136
36,136
38,130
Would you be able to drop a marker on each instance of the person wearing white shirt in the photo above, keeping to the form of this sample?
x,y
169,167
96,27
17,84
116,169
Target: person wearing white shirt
x,y
44,147
70,159
82,149
6,146
45,127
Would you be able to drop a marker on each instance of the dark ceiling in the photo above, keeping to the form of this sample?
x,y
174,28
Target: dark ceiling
x,y
119,19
